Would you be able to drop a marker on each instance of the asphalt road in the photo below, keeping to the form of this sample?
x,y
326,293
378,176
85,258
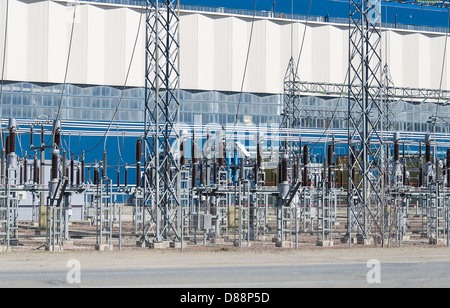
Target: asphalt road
x,y
398,275
316,268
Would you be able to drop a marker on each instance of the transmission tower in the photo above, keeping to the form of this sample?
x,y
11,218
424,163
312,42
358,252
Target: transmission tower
x,y
365,118
161,136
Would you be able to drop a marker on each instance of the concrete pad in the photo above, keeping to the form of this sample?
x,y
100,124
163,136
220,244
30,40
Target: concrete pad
x,y
284,244
104,247
325,243
160,245
5,249
175,245
437,241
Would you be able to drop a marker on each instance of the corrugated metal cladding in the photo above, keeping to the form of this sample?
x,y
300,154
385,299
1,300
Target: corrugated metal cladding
x,y
213,49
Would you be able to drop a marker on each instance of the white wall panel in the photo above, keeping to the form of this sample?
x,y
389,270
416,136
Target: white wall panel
x,y
223,53
115,33
213,49
36,32
95,53
189,51
17,44
206,52
58,41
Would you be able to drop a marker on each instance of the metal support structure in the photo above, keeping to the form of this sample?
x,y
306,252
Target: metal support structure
x,y
365,116
161,136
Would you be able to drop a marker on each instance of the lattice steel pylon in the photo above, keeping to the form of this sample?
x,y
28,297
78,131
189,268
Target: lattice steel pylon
x,y
162,135
365,118
291,111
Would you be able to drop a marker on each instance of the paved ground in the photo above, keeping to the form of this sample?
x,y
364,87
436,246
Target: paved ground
x,y
398,267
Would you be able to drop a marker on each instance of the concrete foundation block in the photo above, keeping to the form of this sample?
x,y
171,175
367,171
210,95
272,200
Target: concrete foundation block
x,y
326,243
176,245
284,244
104,247
160,245
5,249
437,241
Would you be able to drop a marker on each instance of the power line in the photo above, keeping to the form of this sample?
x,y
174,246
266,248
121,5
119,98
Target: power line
x,y
124,86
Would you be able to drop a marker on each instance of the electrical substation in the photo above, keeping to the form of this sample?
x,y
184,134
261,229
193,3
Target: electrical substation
x,y
171,179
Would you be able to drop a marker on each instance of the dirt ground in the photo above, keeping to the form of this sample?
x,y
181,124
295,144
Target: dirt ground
x,y
22,258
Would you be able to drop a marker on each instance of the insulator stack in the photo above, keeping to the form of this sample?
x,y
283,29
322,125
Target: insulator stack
x,y
396,152
78,176
55,163
25,168
72,170
138,175
428,152
126,176
96,175
448,166
305,164
330,154
138,150
283,169
57,137
36,170
82,168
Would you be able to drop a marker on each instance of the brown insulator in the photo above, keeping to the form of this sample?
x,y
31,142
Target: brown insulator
x,y
42,135
283,169
305,163
96,175
330,162
82,168
138,150
427,152
58,138
25,170
36,171
138,175
12,141
72,171
78,176
396,152
55,158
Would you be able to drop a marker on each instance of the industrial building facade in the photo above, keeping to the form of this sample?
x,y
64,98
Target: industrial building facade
x,y
89,57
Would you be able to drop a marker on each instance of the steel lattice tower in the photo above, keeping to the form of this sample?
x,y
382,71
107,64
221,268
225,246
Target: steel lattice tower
x,y
365,118
162,168
291,112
